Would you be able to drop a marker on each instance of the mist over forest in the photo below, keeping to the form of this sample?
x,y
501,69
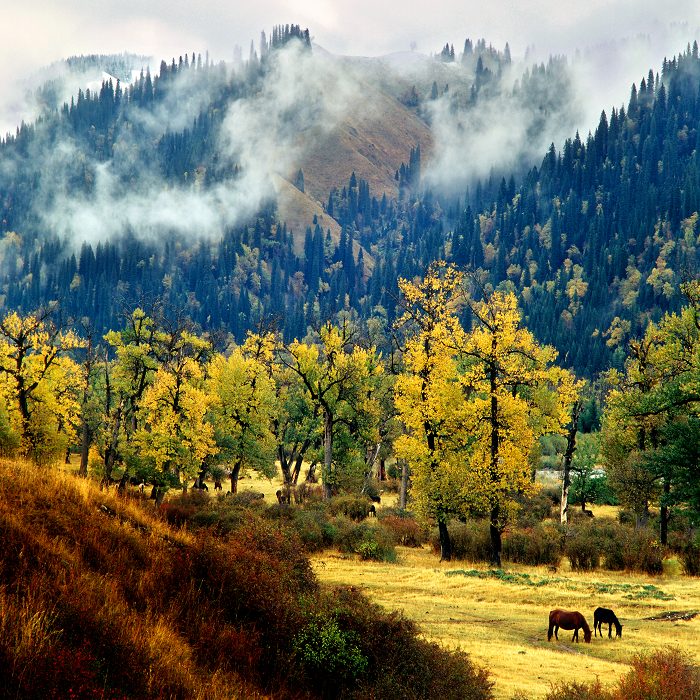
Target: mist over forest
x,y
291,184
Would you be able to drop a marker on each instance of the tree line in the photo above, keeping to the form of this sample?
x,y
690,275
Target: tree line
x,y
462,402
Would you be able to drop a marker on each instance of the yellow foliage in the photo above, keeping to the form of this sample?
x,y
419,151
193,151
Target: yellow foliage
x,y
473,404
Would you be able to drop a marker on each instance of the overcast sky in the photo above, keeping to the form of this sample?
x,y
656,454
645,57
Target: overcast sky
x,y
34,33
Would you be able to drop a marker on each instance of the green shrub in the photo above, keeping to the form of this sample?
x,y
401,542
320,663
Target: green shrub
x,y
535,546
353,507
626,517
369,541
471,541
329,655
400,664
314,528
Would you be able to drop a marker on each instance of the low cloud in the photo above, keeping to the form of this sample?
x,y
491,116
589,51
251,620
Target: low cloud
x,y
262,134
509,127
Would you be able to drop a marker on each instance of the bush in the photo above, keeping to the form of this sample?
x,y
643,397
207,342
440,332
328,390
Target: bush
x,y
642,552
538,507
400,665
618,546
626,517
583,549
666,674
314,527
535,546
690,557
370,542
353,507
471,541
329,655
404,528
391,484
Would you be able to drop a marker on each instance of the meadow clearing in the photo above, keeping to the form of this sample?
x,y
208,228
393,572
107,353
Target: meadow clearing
x,y
502,622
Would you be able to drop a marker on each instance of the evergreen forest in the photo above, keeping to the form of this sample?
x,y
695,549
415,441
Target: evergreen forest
x,y
594,239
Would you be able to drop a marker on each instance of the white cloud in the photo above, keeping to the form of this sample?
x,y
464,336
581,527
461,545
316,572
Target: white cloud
x,y
261,134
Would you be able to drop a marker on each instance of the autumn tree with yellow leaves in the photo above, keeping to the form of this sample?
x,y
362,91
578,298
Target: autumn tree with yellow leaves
x,y
340,378
38,382
474,402
174,433
243,406
154,402
517,394
429,399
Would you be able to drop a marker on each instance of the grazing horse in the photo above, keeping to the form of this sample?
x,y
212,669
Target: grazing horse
x,y
601,615
568,620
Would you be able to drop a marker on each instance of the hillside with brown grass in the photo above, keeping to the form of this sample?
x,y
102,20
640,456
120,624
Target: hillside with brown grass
x,y
101,598
373,139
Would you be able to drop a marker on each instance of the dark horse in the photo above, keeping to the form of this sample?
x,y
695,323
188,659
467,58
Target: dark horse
x,y
568,620
601,615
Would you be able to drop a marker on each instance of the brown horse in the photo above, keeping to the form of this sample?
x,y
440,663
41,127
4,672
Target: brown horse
x,y
568,620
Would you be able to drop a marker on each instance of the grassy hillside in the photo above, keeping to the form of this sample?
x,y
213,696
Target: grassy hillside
x,y
297,210
100,598
372,141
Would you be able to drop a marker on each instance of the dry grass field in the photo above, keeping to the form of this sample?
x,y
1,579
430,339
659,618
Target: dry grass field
x,y
502,624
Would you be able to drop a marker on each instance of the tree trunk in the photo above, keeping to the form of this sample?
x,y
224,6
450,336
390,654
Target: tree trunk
x,y
327,454
643,518
27,439
311,473
664,512
284,465
445,541
403,492
297,468
382,470
84,448
494,527
235,472
495,533
568,459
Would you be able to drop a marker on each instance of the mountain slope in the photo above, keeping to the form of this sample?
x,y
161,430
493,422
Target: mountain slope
x,y
372,141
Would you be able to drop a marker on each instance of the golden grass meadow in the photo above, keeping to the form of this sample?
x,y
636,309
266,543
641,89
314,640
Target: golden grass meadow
x,y
502,624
